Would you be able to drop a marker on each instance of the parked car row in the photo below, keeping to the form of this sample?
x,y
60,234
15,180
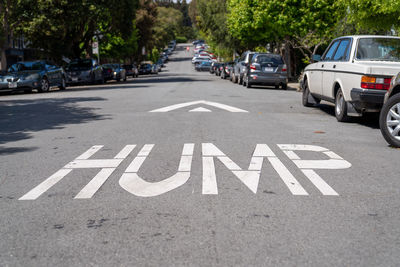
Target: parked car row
x,y
42,75
252,68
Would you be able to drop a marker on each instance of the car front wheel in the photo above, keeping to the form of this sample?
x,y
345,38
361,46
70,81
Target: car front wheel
x,y
63,85
341,107
44,85
389,120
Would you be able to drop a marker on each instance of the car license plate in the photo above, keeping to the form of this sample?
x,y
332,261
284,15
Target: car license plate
x,y
12,85
268,69
74,79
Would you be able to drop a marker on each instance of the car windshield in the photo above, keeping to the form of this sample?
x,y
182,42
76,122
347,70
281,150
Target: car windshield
x,y
26,66
206,63
80,65
378,49
276,59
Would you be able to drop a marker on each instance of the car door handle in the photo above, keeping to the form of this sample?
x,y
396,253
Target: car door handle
x,y
322,66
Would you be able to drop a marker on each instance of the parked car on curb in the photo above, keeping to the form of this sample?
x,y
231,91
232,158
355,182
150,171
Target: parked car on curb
x,y
389,119
131,70
84,71
226,71
354,73
203,66
117,72
266,69
145,68
241,66
214,67
29,75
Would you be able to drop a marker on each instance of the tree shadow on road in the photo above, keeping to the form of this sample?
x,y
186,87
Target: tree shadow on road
x,y
19,118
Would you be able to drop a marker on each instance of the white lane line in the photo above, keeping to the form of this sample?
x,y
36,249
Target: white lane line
x,y
135,185
45,185
226,107
200,109
145,151
90,152
288,178
188,149
135,164
93,163
125,152
320,183
185,165
94,185
214,104
178,106
209,177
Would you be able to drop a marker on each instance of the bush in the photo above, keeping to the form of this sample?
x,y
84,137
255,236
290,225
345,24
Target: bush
x,y
181,39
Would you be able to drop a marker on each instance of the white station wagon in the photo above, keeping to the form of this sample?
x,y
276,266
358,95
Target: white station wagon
x,y
354,73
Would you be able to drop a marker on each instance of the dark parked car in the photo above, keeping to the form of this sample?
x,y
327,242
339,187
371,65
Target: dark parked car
x,y
203,66
145,68
266,69
131,70
214,66
227,70
38,75
389,119
241,67
114,72
84,71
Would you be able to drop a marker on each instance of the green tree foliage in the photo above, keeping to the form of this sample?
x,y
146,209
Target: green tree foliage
x,y
373,16
168,23
146,17
67,28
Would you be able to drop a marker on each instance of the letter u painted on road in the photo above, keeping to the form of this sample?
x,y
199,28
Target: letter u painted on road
x,y
137,186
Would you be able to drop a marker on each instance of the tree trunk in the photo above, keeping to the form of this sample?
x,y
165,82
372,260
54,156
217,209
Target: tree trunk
x,y
5,9
288,57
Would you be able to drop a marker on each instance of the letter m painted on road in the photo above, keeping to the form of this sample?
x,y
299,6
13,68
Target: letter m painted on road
x,y
249,177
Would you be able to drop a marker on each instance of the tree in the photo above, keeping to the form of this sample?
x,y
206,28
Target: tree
x,y
374,16
145,20
67,27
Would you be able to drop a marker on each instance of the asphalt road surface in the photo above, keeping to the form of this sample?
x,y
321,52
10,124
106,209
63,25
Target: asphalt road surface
x,y
183,168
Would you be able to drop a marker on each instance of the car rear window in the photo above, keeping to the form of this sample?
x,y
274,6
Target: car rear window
x,y
378,49
276,59
80,65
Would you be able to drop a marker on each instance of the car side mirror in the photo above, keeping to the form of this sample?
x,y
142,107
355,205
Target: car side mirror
x,y
316,58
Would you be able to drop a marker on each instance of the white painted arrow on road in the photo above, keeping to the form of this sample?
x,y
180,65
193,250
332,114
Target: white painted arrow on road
x,y
209,103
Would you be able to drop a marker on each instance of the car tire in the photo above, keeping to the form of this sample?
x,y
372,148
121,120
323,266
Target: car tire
x,y
306,94
284,86
244,81
125,78
44,85
240,81
391,112
93,79
248,84
63,85
341,107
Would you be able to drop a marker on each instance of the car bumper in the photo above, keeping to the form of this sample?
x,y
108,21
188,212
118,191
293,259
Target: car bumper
x,y
78,80
367,99
268,80
21,85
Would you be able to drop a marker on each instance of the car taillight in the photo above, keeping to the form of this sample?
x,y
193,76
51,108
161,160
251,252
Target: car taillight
x,y
252,67
284,68
368,82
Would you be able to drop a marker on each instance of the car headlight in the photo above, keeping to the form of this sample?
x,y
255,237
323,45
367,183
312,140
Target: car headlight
x,y
34,76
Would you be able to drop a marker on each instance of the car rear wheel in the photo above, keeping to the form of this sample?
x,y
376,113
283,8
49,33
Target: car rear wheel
x,y
240,81
44,85
284,86
306,94
389,120
341,107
